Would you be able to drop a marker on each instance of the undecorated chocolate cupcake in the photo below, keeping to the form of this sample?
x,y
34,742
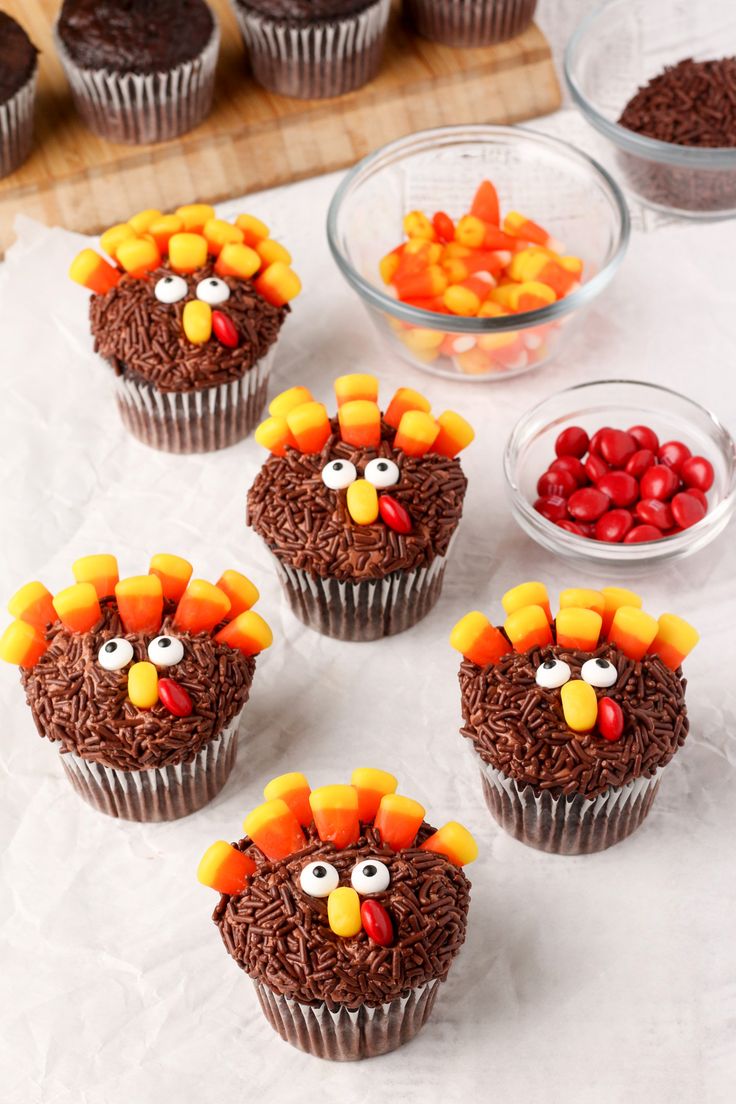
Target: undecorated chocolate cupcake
x,y
313,49
360,510
188,316
470,22
141,681
345,908
140,71
18,73
573,720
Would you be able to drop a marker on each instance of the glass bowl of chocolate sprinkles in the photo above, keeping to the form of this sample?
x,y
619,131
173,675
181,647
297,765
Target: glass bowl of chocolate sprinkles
x,y
657,80
618,403
549,180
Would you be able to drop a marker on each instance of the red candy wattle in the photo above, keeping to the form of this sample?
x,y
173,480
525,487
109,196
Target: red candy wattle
x,y
224,330
610,719
377,922
394,514
627,488
175,697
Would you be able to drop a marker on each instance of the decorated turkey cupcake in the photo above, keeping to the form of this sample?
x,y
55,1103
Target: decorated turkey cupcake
x,y
359,510
573,719
345,908
140,681
187,313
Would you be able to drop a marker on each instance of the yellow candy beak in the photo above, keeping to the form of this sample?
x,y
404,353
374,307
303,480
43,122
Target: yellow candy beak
x,y
197,321
580,705
343,912
143,685
362,500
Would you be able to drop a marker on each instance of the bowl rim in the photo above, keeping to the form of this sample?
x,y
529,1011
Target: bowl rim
x,y
653,149
549,535
447,135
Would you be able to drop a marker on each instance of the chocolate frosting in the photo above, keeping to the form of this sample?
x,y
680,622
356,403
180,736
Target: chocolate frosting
x,y
308,527
17,57
86,709
137,334
519,728
281,937
135,36
306,11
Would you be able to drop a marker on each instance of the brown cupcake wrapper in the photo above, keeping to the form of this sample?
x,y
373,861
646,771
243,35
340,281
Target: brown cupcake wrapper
x,y
139,109
158,793
324,58
16,126
470,23
367,610
567,825
194,421
346,1036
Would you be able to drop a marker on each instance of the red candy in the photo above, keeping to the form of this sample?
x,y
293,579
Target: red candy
x,y
617,447
639,462
610,719
573,466
653,512
642,533
578,527
595,467
588,504
559,483
700,495
673,454
553,508
659,482
394,514
377,922
645,437
613,526
621,488
224,330
687,510
175,697
573,441
697,472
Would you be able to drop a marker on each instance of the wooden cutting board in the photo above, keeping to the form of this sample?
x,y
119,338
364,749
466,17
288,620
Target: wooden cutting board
x,y
253,139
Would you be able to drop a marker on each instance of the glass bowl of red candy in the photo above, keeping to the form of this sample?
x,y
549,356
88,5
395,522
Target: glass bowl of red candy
x,y
621,473
477,250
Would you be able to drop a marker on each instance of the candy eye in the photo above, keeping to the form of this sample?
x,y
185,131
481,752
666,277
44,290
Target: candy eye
x,y
552,674
318,879
339,474
598,672
170,289
115,654
213,291
370,876
382,473
165,651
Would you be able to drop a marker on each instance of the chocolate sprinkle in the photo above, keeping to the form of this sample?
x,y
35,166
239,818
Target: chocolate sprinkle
x,y
86,708
519,728
141,336
692,103
308,527
281,937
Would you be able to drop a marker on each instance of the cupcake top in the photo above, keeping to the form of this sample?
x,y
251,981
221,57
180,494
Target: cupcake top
x,y
307,11
190,301
592,699
134,36
364,494
343,894
17,57
139,672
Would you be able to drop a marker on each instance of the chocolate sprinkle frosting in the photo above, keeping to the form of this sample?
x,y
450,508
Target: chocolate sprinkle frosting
x,y
139,335
308,527
281,936
86,708
519,728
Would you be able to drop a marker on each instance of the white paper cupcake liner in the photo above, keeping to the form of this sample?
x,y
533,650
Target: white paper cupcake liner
x,y
567,825
345,1036
470,23
158,793
194,421
367,610
323,58
16,126
139,109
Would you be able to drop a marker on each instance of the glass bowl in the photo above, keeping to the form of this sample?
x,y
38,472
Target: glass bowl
x,y
620,403
616,50
546,179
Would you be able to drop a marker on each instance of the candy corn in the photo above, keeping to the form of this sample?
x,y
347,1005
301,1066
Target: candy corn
x,y
579,705
455,434
33,603
224,868
202,606
77,607
309,426
22,644
274,829
632,631
274,434
527,628
485,204
405,399
288,400
417,433
583,598
140,602
195,216
144,219
371,786
271,252
454,841
249,633
138,256
187,252
115,236
292,788
163,230
614,597
578,628
253,229
356,386
219,233
398,820
360,423
101,571
477,640
335,812
237,260
279,284
674,641
527,594
243,594
93,272
173,572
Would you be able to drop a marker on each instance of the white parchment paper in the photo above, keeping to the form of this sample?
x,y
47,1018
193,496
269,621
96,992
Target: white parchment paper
x,y
602,978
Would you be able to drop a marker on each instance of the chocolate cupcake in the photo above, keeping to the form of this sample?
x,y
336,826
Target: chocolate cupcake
x,y
140,71
573,720
141,681
18,73
469,22
313,49
359,511
345,908
188,316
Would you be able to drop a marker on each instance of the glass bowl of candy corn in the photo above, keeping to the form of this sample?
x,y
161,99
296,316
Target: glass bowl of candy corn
x,y
621,473
477,250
